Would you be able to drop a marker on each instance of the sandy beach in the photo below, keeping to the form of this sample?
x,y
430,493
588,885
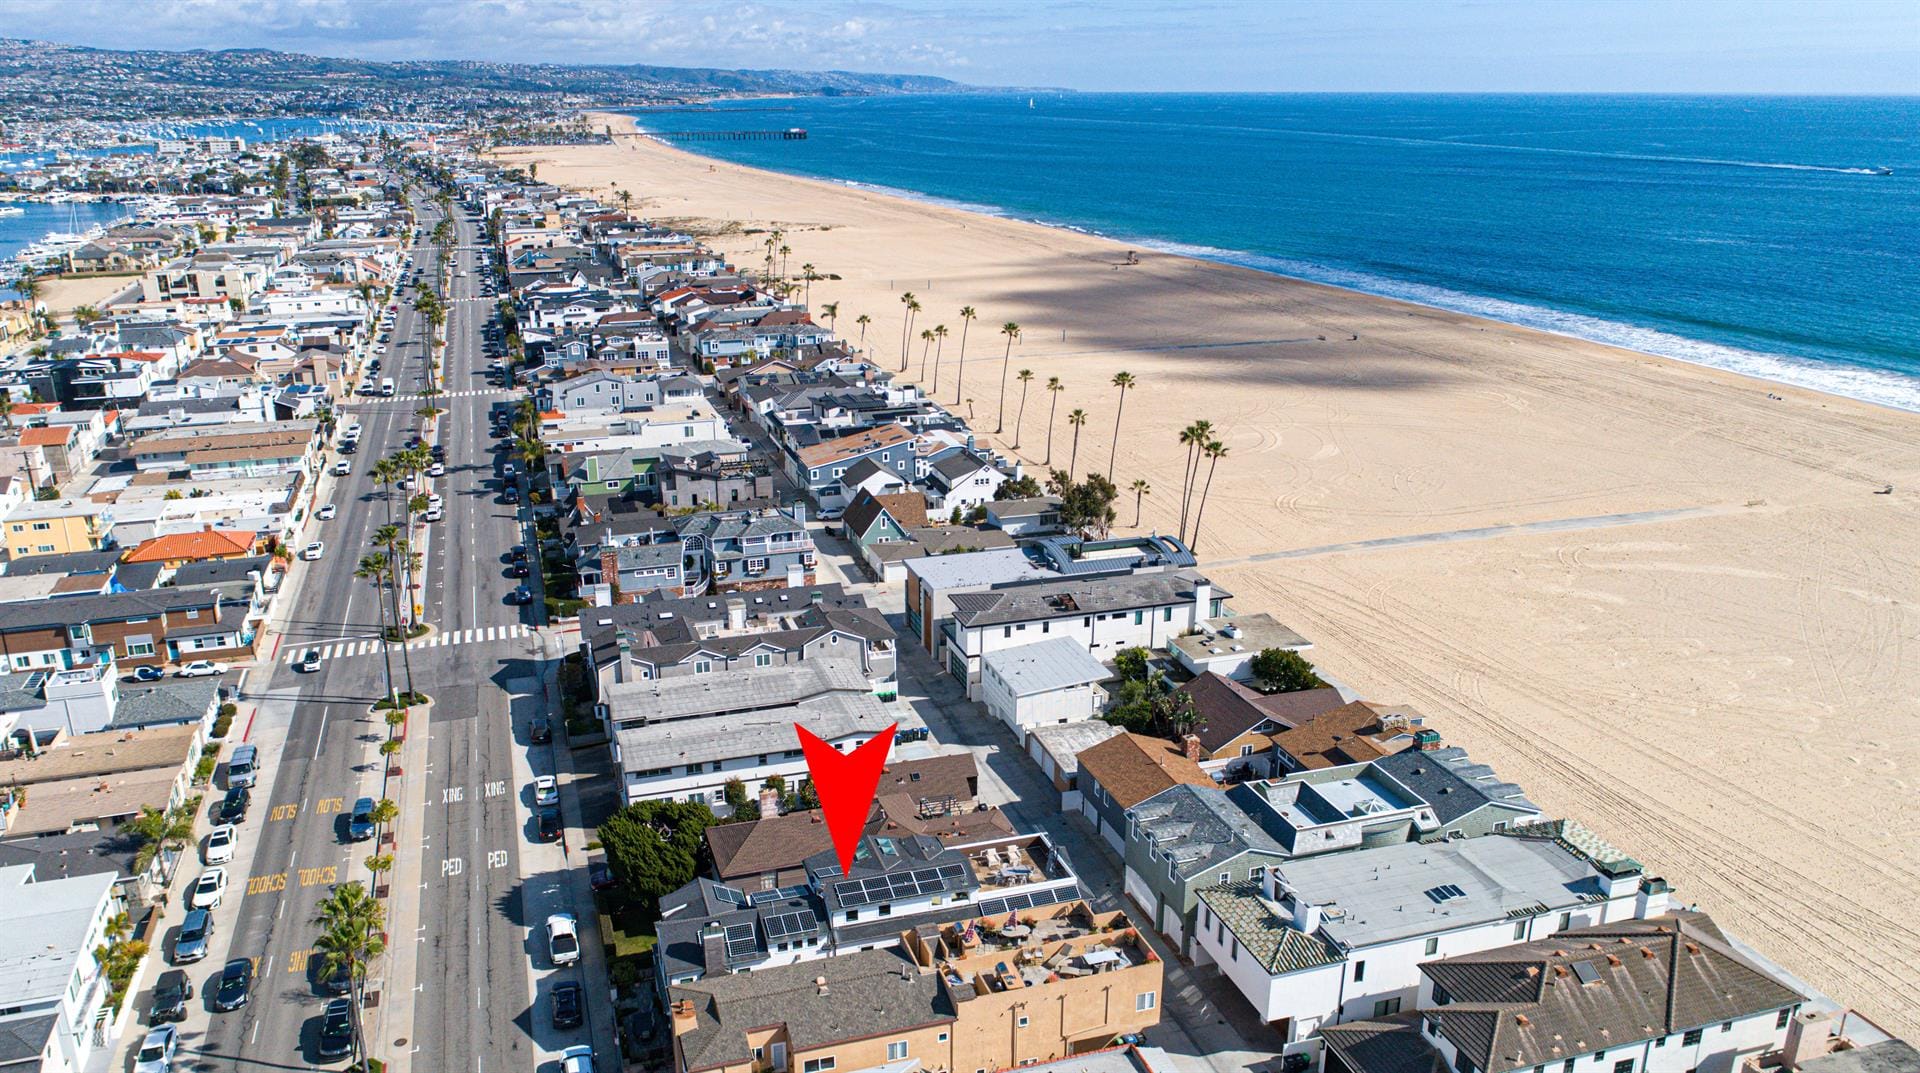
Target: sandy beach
x,y
1664,599
63,295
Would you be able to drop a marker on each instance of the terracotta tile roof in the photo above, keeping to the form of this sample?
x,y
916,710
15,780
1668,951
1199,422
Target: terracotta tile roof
x,y
1133,767
204,544
46,436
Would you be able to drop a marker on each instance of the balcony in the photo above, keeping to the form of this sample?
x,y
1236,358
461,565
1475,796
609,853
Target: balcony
x,y
1043,947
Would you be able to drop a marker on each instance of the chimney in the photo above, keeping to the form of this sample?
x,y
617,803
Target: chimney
x,y
1190,745
1426,740
1306,916
683,1018
769,802
820,986
1202,601
1807,1037
736,614
1652,900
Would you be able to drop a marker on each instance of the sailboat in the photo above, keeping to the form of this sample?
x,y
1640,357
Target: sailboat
x,y
1029,102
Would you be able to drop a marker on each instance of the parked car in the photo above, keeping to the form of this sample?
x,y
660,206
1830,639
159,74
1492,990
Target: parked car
x,y
342,468
521,595
519,570
517,553
563,939
148,673
313,551
438,469
208,889
549,823
577,1059
546,790
336,1029
600,875
337,981
233,807
156,1051
200,668
170,994
567,1005
360,821
433,514
309,661
540,732
220,844
236,980
326,512
191,944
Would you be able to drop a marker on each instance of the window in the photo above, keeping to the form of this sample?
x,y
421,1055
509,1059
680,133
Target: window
x,y
941,1038
1726,1026
1257,872
703,666
1462,1063
142,649
1023,1022
41,527
762,659
1226,877
1146,1000
886,909
896,1050
1386,1007
1566,921
1166,614
1624,1065
1246,750
1567,1067
45,548
1520,929
1359,971
853,914
1139,617
1433,947
1691,1038
1780,1022
818,1065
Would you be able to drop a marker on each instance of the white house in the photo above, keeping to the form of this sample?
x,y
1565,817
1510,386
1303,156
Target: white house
x,y
1101,613
963,480
1341,936
685,738
53,989
1041,684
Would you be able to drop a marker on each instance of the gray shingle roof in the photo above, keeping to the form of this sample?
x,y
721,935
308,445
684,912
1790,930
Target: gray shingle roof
x,y
1453,785
1200,827
1264,932
1593,988
1075,597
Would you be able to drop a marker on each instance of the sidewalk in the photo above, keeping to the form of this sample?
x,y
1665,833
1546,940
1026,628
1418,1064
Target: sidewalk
x,y
390,1021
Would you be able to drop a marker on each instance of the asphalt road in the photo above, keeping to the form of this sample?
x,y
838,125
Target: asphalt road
x,y
472,1003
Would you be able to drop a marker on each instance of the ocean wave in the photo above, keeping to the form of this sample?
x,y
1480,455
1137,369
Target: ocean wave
x,y
1849,381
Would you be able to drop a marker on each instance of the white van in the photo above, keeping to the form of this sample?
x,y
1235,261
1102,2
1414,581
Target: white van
x,y
386,386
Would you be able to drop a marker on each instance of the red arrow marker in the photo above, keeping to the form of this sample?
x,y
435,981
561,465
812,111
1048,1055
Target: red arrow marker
x,y
846,784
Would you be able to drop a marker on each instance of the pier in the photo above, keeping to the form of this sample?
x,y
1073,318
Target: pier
x,y
791,134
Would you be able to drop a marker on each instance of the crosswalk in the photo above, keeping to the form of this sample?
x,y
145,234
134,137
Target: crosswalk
x,y
473,393
370,646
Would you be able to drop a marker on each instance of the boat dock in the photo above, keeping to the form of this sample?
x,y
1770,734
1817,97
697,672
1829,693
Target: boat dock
x,y
791,134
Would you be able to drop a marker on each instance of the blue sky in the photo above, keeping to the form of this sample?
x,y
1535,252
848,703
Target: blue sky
x,y
1765,46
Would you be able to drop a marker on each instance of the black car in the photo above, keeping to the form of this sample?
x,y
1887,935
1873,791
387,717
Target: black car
x,y
233,807
437,453
540,731
519,569
170,995
360,822
336,1029
567,1005
230,993
521,596
549,821
335,981
517,553
600,875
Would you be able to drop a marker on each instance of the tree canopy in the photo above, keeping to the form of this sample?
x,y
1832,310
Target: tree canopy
x,y
656,847
1282,670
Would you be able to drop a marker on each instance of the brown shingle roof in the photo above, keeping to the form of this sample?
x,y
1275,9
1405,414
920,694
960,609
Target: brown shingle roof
x,y
859,443
1231,709
1133,767
1349,734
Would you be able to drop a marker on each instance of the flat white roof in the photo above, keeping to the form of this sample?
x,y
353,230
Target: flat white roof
x,y
1045,666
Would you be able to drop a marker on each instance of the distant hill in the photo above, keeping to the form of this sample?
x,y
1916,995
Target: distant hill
x,y
46,80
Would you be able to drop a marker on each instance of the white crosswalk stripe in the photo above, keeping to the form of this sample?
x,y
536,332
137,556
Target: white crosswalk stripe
x,y
370,646
473,393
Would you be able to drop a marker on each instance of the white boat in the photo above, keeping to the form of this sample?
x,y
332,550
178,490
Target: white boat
x,y
12,210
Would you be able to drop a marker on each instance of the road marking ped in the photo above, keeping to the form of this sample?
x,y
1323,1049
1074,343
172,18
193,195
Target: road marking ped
x,y
265,884
497,858
451,866
452,794
496,788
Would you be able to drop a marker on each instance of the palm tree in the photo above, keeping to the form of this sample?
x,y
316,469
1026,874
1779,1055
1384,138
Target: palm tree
x,y
1077,419
1025,378
807,275
784,250
926,344
1139,488
1123,381
374,570
863,320
85,315
352,936
158,830
1012,331
831,311
939,344
1215,451
1194,438
960,377
1054,388
906,327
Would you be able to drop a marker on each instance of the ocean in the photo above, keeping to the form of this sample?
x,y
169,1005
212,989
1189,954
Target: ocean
x,y
1756,234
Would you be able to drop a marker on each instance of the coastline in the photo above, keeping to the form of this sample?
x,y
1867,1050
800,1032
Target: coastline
x,y
1655,594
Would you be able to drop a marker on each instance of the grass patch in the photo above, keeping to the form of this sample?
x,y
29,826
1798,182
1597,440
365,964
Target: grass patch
x,y
406,700
627,930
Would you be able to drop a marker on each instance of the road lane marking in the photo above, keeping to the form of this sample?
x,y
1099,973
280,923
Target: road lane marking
x,y
451,866
330,804
267,883
297,961
326,873
283,812
497,858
